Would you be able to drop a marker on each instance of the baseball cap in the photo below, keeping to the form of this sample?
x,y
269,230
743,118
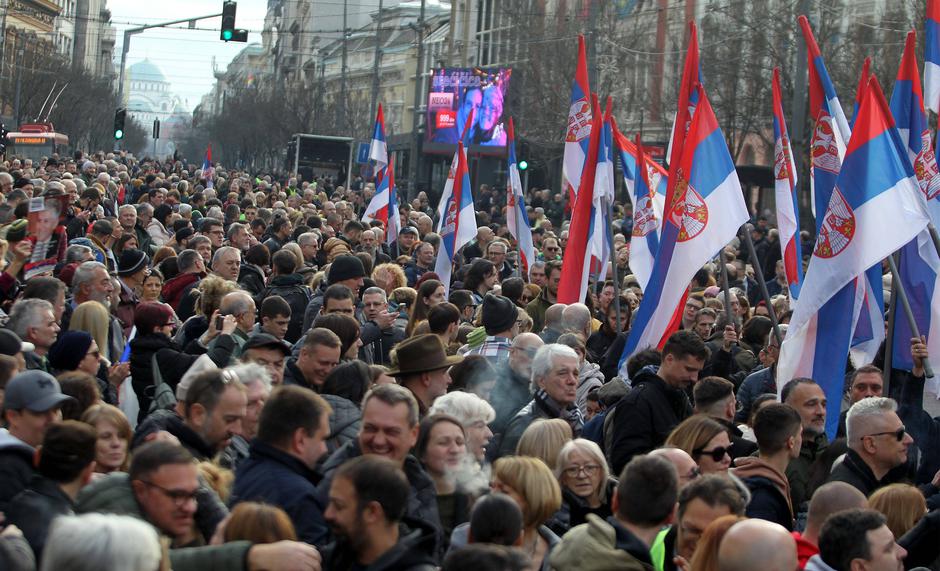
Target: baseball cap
x,y
34,390
11,344
267,341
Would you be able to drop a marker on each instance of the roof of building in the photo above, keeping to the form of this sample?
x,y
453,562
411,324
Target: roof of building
x,y
146,70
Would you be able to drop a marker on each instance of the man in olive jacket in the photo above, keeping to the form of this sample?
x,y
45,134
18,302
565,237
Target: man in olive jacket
x,y
161,489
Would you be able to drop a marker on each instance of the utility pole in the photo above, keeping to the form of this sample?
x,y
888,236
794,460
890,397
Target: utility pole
x,y
342,74
800,89
132,31
18,70
592,45
416,115
376,63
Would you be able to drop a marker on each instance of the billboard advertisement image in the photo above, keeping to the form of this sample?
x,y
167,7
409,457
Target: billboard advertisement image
x,y
454,94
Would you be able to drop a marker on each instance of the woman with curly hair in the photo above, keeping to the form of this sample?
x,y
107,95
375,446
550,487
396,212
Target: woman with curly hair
x,y
389,277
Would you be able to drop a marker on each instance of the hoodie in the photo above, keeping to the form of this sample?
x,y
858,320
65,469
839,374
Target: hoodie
x,y
16,466
601,545
172,292
770,491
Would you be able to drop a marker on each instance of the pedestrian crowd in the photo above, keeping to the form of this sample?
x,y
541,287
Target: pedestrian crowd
x,y
235,372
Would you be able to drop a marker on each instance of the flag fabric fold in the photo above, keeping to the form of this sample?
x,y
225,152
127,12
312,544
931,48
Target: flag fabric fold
x,y
517,221
208,171
377,209
932,56
787,203
578,133
459,224
873,210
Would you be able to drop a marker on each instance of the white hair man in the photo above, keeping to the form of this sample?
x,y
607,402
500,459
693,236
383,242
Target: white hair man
x,y
878,443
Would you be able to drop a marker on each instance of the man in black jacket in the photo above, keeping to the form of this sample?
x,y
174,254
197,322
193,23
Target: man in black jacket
x,y
368,500
714,397
66,464
280,468
31,404
290,286
878,443
646,415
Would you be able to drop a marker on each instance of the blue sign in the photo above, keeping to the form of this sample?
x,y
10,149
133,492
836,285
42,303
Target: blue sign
x,y
362,156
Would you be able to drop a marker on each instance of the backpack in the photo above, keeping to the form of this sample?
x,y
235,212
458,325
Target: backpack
x,y
163,396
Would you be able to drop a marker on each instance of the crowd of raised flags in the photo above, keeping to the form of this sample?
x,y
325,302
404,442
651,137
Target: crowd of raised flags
x,y
683,217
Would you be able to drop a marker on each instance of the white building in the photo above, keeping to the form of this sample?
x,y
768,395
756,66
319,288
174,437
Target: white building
x,y
150,97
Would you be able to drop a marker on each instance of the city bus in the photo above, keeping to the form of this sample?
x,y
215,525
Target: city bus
x,y
35,141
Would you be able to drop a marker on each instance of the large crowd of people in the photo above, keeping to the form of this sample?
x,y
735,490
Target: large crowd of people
x,y
239,373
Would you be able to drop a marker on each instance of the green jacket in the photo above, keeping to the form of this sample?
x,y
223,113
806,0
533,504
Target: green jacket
x,y
594,546
113,494
536,310
800,470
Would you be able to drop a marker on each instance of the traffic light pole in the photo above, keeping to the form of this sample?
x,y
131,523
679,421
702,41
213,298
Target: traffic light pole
x,y
133,31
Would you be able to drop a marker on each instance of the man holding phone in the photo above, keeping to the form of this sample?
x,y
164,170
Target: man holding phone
x,y
376,308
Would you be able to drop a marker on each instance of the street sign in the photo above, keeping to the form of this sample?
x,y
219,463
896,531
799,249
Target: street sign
x,y
362,155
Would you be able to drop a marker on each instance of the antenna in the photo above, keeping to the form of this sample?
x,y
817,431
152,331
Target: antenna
x,y
54,101
43,108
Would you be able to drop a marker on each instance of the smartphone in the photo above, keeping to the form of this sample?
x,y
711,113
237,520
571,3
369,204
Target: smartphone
x,y
218,323
392,306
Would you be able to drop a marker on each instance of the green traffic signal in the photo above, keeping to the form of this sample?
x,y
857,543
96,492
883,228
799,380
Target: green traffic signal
x,y
119,134
523,165
226,35
119,117
228,20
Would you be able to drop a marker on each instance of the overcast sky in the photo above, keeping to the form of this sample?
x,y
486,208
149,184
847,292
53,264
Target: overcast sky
x,y
184,56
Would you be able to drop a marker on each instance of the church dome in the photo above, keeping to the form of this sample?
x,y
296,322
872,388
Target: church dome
x,y
146,71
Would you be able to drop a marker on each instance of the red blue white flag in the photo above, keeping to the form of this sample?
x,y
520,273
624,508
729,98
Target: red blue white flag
x,y
578,134
377,208
516,218
932,56
451,175
459,224
208,171
860,89
873,210
788,213
705,209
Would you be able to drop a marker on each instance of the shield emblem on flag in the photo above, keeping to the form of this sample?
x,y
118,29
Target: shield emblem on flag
x,y
925,167
781,161
825,152
644,218
689,212
579,121
837,229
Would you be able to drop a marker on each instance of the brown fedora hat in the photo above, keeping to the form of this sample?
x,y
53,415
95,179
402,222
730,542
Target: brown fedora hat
x,y
421,354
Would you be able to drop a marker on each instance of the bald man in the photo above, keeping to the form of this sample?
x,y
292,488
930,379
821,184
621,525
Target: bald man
x,y
554,323
827,500
576,318
685,466
757,544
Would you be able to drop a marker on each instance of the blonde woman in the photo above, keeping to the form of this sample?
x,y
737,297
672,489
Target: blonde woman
x,y
93,318
706,441
544,439
586,485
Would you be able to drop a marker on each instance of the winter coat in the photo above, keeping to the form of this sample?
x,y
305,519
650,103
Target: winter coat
x,y
33,510
536,310
414,551
345,421
921,543
598,344
158,233
170,421
505,444
758,383
461,536
644,417
770,491
804,549
574,509
855,472
251,279
275,477
601,545
296,294
15,554
799,471
175,288
114,494
173,363
589,378
511,393
294,376
127,304
16,467
413,273
313,307
422,500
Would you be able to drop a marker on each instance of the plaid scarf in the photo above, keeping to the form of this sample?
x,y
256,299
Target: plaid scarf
x,y
570,414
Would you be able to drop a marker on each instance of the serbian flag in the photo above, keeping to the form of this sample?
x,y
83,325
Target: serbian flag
x,y
932,56
860,90
873,210
705,209
919,266
208,172
516,218
459,224
576,263
788,213
394,219
448,191
647,188
600,234
580,123
378,150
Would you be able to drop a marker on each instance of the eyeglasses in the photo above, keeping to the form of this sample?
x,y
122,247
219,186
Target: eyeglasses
x,y
898,434
179,497
588,469
717,454
96,354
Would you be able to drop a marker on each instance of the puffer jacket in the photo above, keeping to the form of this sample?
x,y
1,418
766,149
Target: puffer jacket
x,y
114,494
601,545
345,421
590,377
251,279
16,466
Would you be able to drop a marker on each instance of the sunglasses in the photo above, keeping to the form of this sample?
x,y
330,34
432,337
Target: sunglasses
x,y
898,434
717,454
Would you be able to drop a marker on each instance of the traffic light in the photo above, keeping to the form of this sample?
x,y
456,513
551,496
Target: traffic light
x,y
523,165
119,117
228,20
3,138
229,32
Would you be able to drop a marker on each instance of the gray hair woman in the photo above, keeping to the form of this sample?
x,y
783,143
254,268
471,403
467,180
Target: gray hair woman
x,y
474,413
586,485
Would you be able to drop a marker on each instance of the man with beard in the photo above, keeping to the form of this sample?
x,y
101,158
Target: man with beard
x,y
809,400
367,503
92,282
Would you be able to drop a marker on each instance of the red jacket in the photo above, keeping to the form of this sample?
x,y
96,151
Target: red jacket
x,y
804,549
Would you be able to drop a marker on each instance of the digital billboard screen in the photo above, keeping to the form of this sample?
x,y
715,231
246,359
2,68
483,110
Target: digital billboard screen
x,y
454,93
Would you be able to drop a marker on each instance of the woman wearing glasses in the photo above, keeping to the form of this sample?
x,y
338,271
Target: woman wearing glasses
x,y
586,485
706,441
